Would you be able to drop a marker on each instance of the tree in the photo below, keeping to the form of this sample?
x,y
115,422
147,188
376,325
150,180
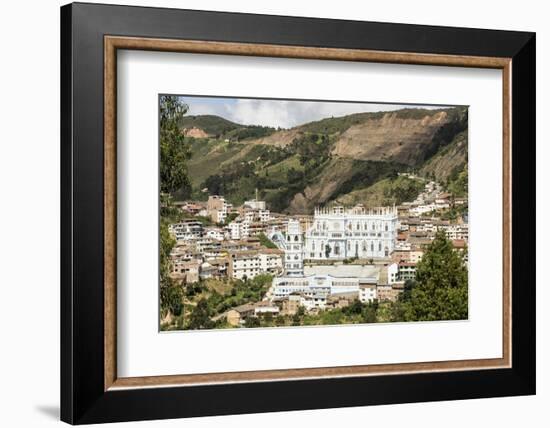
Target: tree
x,y
200,317
265,241
174,150
171,293
440,291
252,322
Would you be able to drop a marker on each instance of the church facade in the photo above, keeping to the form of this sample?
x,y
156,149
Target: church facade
x,y
340,233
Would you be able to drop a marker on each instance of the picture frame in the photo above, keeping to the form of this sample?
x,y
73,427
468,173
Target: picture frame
x,y
91,391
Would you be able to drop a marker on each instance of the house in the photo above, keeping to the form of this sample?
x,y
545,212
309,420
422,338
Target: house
x,y
388,292
407,271
187,230
265,307
238,314
217,208
342,300
291,304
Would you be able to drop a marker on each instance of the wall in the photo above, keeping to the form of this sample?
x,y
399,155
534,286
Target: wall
x,y
29,173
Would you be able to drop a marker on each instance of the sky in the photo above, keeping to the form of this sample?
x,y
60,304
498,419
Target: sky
x,y
280,113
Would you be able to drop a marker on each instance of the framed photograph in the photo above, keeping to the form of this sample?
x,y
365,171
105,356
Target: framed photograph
x,y
266,213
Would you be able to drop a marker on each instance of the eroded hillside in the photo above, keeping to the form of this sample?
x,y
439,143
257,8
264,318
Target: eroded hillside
x,y
339,158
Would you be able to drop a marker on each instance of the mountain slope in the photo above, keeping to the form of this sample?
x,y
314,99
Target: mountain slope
x,y
450,158
337,158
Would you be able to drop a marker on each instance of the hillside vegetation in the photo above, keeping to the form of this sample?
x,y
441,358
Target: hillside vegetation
x,y
350,159
220,128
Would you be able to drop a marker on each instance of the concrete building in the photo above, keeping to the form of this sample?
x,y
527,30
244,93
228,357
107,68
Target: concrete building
x,y
217,208
457,231
325,280
187,230
251,263
294,254
340,233
388,292
214,233
407,271
188,271
255,204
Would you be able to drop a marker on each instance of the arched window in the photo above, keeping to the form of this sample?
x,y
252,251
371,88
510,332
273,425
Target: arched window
x,y
386,228
372,226
379,246
372,246
296,238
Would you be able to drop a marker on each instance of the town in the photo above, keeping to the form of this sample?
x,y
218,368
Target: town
x,y
329,259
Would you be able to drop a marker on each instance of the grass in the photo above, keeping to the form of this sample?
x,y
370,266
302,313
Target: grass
x,y
278,171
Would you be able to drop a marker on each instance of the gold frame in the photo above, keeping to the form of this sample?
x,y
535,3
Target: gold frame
x,y
113,43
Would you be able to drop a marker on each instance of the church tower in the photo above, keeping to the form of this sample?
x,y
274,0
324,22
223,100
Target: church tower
x,y
294,251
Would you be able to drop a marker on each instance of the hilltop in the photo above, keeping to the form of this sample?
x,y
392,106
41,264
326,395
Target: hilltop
x,y
349,159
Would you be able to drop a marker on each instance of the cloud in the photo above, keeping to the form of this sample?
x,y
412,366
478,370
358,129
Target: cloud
x,y
280,113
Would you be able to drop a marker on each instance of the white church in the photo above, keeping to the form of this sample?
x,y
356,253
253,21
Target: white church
x,y
336,233
340,233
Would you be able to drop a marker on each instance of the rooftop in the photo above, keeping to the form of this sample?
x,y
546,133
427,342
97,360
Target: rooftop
x,y
343,271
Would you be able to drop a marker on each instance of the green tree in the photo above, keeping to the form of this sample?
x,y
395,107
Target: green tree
x,y
171,293
440,291
252,322
265,241
174,150
200,317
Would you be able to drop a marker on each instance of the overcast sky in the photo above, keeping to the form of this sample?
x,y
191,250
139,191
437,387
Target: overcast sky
x,y
280,113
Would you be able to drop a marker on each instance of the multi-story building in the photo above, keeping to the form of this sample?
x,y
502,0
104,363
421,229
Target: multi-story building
x,y
339,233
244,264
328,280
187,230
407,271
271,260
186,270
214,233
294,253
217,208
457,231
251,263
255,204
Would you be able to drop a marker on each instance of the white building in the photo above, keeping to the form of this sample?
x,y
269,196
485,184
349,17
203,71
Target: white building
x,y
271,260
340,233
294,254
255,204
393,273
252,263
264,215
187,230
244,264
215,233
367,293
457,231
328,280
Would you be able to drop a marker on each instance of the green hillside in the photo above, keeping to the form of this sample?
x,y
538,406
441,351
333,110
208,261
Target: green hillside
x,y
213,125
388,191
223,129
350,159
